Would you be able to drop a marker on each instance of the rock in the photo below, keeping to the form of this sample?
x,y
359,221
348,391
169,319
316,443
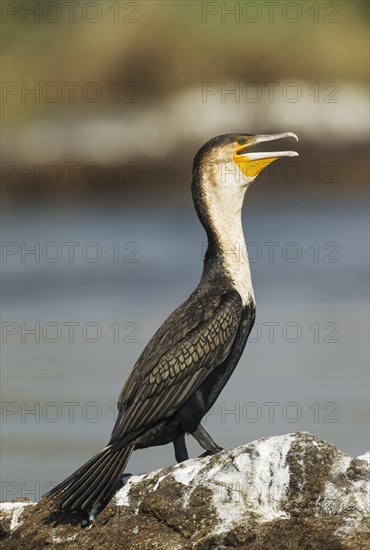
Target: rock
x,y
287,492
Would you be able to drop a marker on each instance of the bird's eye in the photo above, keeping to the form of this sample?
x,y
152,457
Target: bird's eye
x,y
241,140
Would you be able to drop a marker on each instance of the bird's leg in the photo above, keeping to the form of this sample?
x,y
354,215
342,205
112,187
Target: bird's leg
x,y
181,452
206,441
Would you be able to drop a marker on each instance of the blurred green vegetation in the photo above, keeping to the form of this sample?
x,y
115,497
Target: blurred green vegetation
x,y
170,47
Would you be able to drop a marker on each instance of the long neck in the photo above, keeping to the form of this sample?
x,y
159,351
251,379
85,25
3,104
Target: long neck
x,y
221,215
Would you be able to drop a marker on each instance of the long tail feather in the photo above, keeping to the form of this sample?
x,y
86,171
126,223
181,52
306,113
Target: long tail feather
x,y
91,487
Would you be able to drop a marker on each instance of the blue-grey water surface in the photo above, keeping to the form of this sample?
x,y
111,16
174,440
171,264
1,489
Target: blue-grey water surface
x,y
306,368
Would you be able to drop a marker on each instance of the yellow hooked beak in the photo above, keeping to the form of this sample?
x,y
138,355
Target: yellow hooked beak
x,y
252,163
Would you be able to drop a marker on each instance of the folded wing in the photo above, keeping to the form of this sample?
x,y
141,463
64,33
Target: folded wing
x,y
193,341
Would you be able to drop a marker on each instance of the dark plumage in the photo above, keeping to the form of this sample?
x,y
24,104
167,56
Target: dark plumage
x,y
184,367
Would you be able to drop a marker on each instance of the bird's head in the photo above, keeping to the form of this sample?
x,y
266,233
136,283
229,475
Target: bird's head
x,y
224,168
234,158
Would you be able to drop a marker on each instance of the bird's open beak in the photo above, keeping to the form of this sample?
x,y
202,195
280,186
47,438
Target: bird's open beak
x,y
254,140
252,163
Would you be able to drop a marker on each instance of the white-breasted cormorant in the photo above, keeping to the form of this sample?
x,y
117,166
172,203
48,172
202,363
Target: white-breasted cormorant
x,y
183,369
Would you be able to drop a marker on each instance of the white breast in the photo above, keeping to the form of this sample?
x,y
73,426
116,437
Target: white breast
x,y
240,275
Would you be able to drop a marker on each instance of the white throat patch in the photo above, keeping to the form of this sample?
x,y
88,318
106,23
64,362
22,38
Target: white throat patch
x,y
224,197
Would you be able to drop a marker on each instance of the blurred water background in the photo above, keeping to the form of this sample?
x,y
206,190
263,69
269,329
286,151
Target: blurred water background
x,y
100,240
